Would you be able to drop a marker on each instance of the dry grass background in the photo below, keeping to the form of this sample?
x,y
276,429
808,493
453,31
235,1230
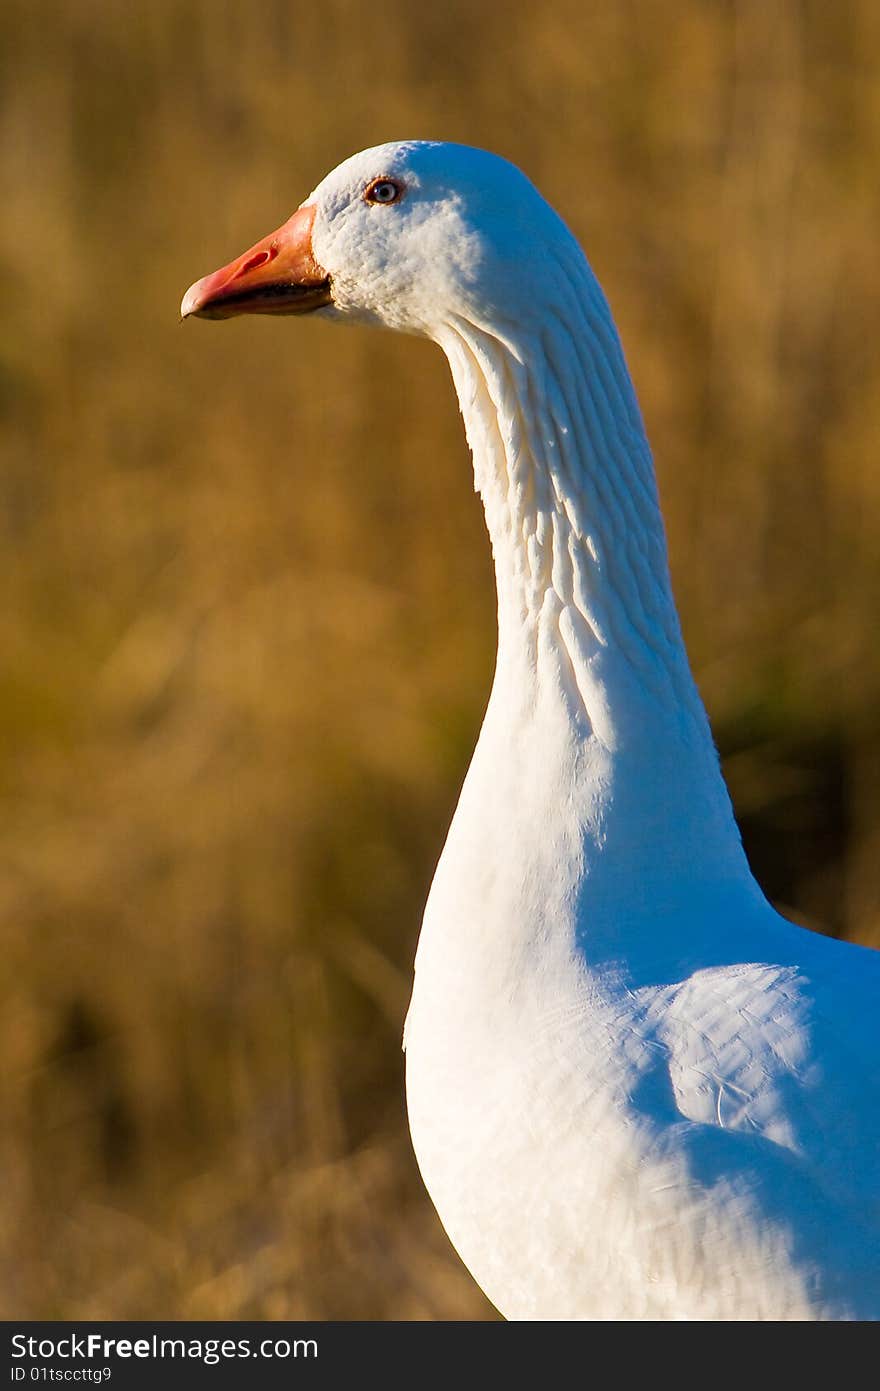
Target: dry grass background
x,y
247,617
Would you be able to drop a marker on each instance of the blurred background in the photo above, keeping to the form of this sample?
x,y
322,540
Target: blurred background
x,y
247,626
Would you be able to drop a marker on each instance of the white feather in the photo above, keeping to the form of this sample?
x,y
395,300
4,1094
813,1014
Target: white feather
x,y
635,1091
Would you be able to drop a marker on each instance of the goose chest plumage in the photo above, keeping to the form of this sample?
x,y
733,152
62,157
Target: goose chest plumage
x,y
635,1091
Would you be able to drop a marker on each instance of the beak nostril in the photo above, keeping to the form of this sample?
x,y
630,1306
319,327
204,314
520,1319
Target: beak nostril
x,y
259,259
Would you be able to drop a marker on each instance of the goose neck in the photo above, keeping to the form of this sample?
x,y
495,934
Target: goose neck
x,y
590,651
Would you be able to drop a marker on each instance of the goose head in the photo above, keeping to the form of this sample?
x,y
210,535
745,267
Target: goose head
x,y
406,235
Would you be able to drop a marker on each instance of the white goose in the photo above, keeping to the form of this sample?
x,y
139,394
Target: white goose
x,y
635,1091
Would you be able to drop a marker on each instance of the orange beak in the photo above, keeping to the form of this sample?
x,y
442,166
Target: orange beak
x,y
279,275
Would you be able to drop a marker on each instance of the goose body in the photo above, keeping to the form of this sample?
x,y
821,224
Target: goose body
x,y
635,1091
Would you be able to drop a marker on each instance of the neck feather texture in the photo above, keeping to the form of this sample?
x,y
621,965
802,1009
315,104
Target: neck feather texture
x,y
587,621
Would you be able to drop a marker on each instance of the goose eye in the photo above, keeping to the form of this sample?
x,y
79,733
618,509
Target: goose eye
x,y
383,191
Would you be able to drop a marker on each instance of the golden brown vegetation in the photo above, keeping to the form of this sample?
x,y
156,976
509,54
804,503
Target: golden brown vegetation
x,y
247,619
